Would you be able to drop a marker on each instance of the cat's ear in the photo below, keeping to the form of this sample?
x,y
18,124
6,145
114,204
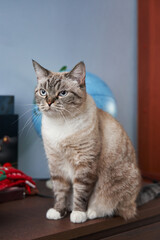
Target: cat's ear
x,y
40,71
78,73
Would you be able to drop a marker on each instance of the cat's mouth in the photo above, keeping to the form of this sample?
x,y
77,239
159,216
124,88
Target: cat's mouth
x,y
51,110
45,108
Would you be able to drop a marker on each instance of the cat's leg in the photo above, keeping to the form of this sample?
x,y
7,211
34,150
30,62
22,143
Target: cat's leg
x,y
127,209
82,187
99,206
61,188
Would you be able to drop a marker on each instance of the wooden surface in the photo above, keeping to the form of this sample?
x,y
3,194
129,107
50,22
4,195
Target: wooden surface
x,y
148,232
149,87
25,220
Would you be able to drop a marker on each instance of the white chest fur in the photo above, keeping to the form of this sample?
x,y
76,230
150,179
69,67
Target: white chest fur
x,y
56,130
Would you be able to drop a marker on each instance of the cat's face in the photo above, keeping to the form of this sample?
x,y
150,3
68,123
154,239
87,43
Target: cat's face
x,y
60,94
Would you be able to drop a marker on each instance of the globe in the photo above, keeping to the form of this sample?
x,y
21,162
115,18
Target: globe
x,y
99,91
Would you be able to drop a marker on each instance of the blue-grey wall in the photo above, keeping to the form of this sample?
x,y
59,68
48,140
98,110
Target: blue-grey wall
x,y
103,33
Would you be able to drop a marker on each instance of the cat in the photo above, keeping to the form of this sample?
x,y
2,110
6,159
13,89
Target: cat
x,y
91,159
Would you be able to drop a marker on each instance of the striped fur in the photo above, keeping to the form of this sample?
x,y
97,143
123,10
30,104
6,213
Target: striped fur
x,y
92,162
148,193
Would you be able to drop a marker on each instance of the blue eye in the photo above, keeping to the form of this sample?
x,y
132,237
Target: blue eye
x,y
43,92
63,93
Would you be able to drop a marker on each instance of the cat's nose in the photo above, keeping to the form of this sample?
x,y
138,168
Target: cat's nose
x,y
49,103
50,100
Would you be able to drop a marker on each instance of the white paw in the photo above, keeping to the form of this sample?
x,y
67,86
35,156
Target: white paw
x,y
78,217
91,214
53,214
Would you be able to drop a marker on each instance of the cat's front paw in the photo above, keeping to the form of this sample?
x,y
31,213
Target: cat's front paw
x,y
78,217
53,214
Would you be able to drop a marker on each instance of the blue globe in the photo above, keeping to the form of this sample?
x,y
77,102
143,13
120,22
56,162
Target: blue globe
x,y
100,92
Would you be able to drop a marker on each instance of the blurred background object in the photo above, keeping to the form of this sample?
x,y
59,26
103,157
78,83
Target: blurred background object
x,y
8,131
6,105
149,88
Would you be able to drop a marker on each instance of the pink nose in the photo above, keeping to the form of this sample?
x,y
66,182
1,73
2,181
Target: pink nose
x,y
49,103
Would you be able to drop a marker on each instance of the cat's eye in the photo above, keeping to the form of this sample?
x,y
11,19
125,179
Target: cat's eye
x,y
43,92
63,93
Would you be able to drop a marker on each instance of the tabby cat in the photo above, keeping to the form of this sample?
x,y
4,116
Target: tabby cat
x,y
91,159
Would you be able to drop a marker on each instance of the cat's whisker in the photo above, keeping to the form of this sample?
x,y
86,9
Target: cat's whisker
x,y
59,111
25,125
63,116
71,114
63,109
21,116
35,118
29,104
68,112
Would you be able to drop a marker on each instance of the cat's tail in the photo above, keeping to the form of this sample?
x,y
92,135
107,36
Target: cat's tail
x,y
148,193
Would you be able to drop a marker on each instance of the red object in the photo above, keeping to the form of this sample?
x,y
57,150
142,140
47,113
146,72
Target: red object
x,y
7,165
149,88
10,177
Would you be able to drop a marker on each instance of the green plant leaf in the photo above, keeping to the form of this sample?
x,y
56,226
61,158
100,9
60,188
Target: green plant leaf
x,y
64,68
